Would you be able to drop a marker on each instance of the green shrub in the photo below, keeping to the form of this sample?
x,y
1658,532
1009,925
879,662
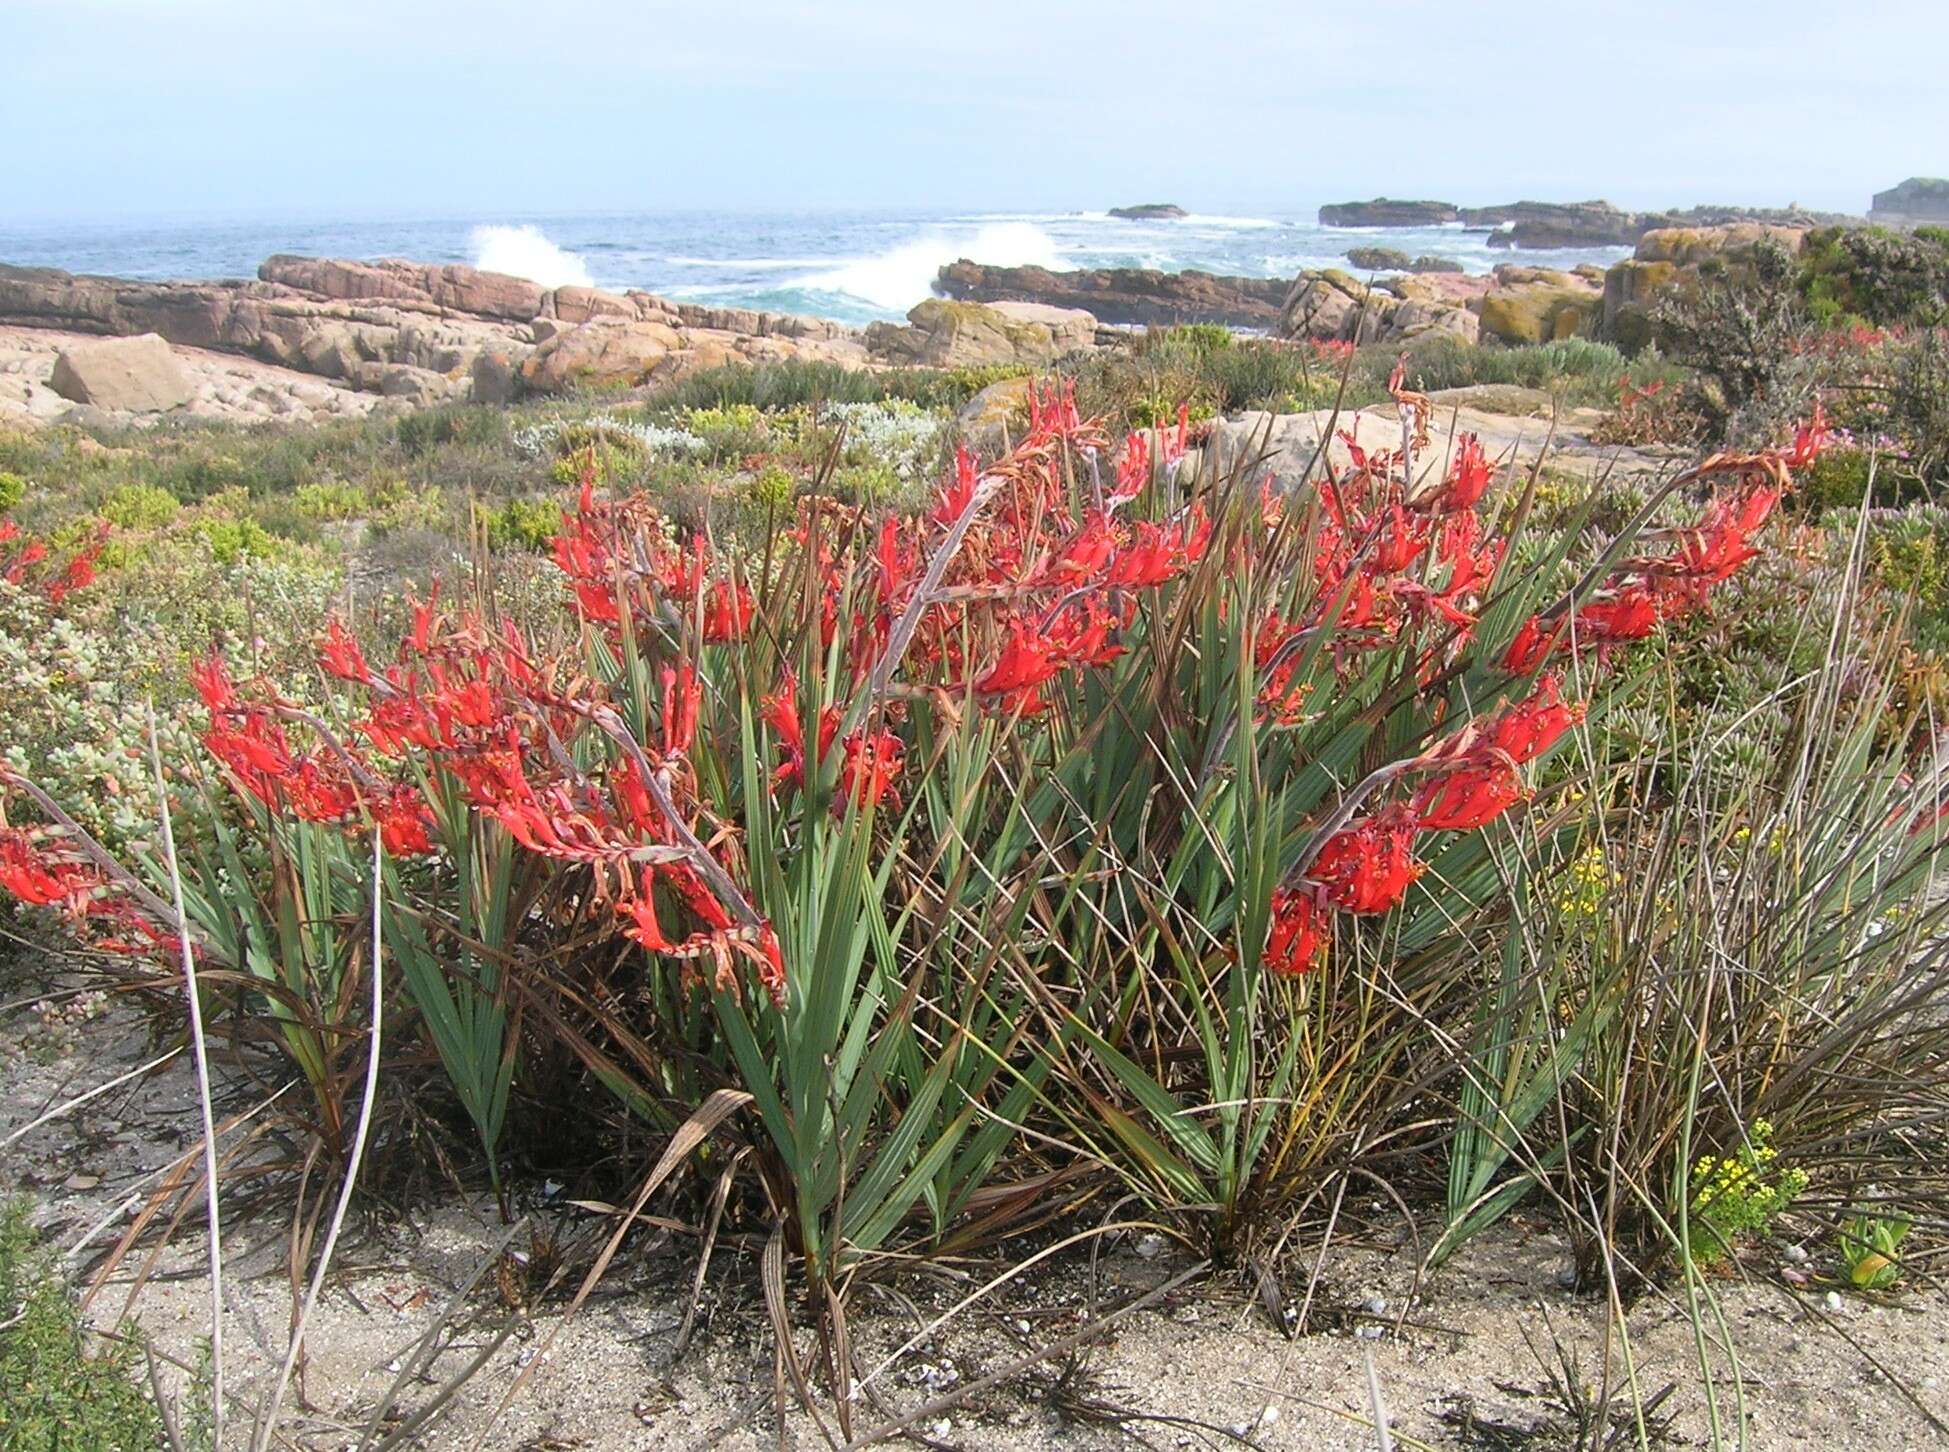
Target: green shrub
x,y
1738,331
13,489
140,506
54,1396
730,431
524,524
329,501
772,486
1742,1193
1875,276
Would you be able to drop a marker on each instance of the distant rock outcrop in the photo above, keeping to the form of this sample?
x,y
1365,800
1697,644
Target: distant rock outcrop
x,y
1548,225
1150,212
1920,199
1387,212
1123,296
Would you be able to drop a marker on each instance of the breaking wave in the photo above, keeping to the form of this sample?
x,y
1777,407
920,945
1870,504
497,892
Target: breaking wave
x,y
525,252
901,276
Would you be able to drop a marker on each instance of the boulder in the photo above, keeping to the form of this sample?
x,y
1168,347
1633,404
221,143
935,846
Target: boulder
x,y
1388,212
1379,259
133,375
941,333
1123,296
604,350
494,378
1566,224
998,410
1689,246
1539,304
1332,307
1150,212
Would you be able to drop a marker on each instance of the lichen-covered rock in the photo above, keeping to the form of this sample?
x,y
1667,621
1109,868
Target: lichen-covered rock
x,y
1689,246
1000,409
1670,257
1539,305
942,333
134,375
604,350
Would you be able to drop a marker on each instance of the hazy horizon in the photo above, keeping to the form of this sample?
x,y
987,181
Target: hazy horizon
x,y
435,108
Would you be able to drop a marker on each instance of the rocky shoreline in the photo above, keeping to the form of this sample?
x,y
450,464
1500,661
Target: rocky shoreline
x,y
1545,225
314,338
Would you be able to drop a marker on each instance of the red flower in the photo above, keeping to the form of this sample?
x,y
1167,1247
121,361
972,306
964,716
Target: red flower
x,y
341,655
403,823
1468,477
866,773
1470,795
1809,439
1026,662
728,609
1297,936
1369,865
1531,727
1631,615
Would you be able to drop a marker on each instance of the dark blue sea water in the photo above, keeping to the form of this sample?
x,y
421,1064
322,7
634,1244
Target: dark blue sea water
x,y
852,266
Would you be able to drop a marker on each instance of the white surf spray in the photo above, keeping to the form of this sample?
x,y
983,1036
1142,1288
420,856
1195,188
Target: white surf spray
x,y
901,276
525,251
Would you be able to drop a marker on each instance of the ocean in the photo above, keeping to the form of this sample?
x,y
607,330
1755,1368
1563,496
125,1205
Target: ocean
x,y
854,267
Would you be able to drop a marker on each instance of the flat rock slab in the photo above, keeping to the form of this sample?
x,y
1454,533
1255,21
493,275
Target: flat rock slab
x,y
131,375
1285,445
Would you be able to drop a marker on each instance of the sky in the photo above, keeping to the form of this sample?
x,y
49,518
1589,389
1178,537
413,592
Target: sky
x,y
140,108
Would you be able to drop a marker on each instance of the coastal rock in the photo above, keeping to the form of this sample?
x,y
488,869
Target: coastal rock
x,y
1539,304
136,375
604,350
1379,259
1920,199
1331,306
442,285
1671,257
1150,212
1124,296
1388,212
947,334
998,410
1689,246
1564,224
579,304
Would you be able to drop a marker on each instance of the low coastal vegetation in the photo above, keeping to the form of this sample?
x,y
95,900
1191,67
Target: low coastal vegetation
x,y
928,806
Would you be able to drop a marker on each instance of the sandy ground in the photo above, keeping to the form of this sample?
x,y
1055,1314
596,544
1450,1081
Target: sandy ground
x,y
1203,1366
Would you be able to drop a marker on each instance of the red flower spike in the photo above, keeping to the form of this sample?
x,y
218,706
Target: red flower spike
x,y
1026,662
1298,934
1532,726
1368,866
1471,795
341,655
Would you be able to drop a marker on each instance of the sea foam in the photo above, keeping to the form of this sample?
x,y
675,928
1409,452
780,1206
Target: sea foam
x,y
901,276
525,252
